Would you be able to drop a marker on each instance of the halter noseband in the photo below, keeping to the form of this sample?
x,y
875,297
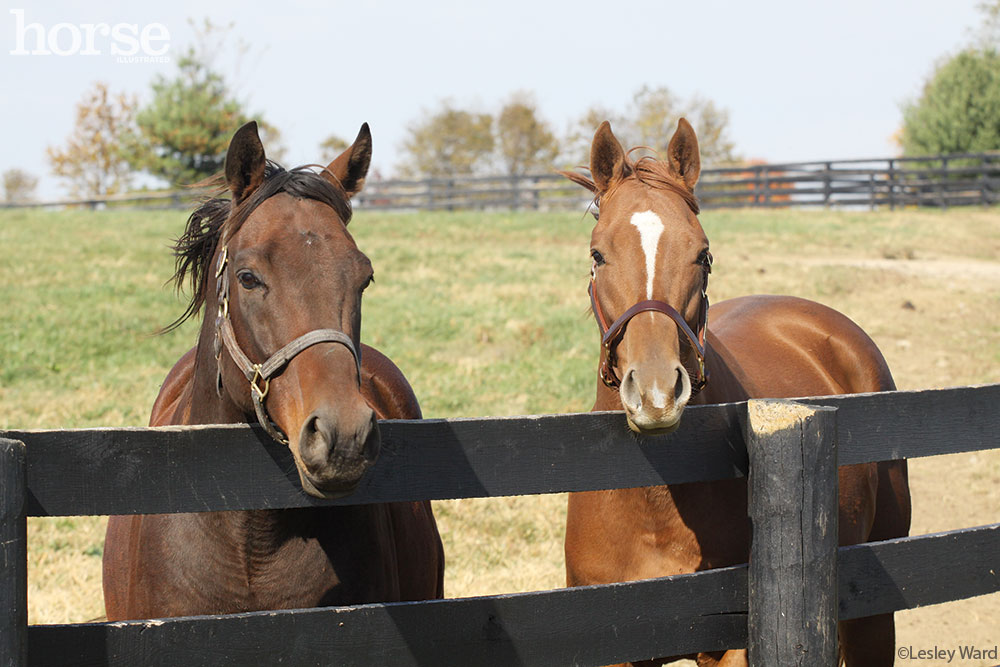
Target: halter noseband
x,y
262,373
611,336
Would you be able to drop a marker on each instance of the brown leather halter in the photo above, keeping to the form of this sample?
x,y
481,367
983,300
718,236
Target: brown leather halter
x,y
612,335
255,373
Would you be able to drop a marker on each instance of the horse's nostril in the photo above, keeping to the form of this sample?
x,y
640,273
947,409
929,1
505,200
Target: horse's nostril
x,y
679,385
629,392
315,441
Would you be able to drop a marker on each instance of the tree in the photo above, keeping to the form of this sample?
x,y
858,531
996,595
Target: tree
x,y
95,159
184,131
525,141
448,142
959,108
650,120
18,185
580,135
331,147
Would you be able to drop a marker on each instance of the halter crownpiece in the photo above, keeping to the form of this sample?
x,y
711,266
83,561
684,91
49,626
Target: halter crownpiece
x,y
257,373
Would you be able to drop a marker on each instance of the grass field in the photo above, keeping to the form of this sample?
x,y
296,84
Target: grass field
x,y
487,315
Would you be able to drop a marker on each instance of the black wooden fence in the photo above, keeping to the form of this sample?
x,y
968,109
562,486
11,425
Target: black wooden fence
x,y
940,181
185,469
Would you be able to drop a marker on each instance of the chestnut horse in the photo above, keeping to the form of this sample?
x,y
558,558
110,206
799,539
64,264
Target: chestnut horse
x,y
649,278
280,279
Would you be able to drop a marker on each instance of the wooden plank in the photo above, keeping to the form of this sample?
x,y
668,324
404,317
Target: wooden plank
x,y
792,492
911,572
13,555
121,471
190,469
584,626
911,424
593,625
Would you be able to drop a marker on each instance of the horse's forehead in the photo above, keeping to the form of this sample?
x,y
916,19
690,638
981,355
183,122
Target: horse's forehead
x,y
283,218
641,215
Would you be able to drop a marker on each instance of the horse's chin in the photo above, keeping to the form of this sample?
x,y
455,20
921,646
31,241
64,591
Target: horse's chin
x,y
651,428
327,490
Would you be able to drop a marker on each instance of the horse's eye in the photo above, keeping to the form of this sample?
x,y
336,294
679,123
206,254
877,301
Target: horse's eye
x,y
248,280
598,257
706,261
368,282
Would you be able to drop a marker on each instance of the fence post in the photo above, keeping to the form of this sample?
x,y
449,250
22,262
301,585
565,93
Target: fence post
x,y
826,183
892,185
793,557
13,555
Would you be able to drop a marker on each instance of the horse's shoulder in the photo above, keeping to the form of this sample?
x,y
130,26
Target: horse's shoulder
x,y
175,387
386,388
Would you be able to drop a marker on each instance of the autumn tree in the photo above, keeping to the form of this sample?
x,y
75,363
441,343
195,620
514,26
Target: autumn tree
x,y
580,135
525,141
448,142
96,158
650,120
331,147
18,185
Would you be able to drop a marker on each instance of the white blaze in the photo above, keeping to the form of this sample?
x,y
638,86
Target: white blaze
x,y
650,228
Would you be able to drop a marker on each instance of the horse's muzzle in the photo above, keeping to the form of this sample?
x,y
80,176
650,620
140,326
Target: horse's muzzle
x,y
334,455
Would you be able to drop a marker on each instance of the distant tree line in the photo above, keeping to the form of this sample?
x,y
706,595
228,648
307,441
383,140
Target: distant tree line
x,y
180,135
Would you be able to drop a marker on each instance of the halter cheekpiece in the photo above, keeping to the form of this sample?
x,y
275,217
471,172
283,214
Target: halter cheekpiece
x,y
259,375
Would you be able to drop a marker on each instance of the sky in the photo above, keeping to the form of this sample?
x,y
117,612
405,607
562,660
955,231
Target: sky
x,y
801,80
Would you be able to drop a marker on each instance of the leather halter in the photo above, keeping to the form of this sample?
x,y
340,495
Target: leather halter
x,y
257,373
612,335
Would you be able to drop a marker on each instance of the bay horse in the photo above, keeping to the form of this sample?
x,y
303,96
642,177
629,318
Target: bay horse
x,y
663,348
280,280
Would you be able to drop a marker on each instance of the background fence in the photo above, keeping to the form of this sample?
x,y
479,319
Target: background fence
x,y
941,180
185,469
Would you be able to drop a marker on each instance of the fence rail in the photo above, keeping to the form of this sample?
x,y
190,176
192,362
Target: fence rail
x,y
939,181
105,471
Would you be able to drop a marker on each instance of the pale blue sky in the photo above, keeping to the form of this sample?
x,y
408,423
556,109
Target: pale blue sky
x,y
801,80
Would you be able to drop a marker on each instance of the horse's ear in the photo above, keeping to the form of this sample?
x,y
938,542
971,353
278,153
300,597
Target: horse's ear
x,y
683,156
351,167
245,162
607,158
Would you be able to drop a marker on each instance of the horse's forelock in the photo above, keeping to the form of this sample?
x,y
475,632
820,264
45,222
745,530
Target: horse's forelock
x,y
648,170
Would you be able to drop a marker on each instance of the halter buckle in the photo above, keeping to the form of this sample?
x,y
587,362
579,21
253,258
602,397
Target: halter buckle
x,y
260,394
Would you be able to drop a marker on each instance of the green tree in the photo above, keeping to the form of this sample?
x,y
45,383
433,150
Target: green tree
x,y
448,142
96,157
525,141
184,131
959,108
18,185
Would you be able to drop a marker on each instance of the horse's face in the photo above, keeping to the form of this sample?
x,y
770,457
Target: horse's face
x,y
649,246
294,268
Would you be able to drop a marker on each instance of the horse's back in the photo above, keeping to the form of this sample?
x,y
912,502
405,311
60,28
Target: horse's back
x,y
783,346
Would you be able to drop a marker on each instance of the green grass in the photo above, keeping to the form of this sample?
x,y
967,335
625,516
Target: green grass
x,y
486,314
